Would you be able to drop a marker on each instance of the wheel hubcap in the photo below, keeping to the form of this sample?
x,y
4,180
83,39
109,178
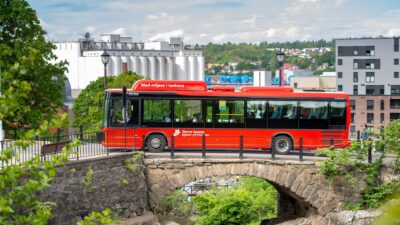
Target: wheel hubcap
x,y
155,143
282,146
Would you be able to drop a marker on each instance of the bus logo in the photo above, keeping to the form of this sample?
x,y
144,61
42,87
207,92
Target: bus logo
x,y
177,132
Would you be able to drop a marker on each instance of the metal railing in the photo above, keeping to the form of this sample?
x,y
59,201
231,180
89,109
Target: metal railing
x,y
93,144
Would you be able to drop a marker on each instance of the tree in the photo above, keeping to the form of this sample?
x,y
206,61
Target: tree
x,y
21,31
88,107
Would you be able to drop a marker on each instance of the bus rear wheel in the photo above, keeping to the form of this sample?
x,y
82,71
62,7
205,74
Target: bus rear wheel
x,y
156,143
282,145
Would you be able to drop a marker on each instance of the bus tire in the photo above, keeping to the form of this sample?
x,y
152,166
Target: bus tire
x,y
282,144
156,143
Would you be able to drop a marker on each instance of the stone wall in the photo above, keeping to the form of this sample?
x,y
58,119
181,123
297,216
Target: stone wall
x,y
130,187
115,183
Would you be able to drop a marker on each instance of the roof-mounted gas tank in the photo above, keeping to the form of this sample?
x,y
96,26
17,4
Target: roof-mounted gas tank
x,y
169,85
265,89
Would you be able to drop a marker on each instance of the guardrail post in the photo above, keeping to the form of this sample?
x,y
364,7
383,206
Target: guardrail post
x,y
332,144
241,147
172,147
203,146
370,153
143,144
358,135
272,154
81,133
301,149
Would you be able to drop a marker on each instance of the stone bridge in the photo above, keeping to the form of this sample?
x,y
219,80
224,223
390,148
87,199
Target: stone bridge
x,y
302,191
132,186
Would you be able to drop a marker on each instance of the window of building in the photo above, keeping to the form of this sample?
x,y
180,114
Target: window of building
x,y
340,62
340,74
369,52
256,114
394,103
157,112
355,51
382,104
396,74
370,104
355,77
352,115
370,77
353,131
395,90
282,114
340,87
382,117
394,116
295,85
396,61
355,65
313,115
230,113
340,49
396,44
370,129
353,104
370,118
375,90
188,113
355,89
370,65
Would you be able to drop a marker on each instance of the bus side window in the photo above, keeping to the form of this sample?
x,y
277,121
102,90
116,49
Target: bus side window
x,y
209,111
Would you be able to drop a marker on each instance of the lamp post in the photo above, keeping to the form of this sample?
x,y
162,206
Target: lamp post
x,y
280,57
105,58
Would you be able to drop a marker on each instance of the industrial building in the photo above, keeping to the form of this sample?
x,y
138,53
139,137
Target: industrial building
x,y
157,60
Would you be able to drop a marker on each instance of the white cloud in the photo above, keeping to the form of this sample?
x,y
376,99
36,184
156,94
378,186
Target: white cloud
x,y
339,2
203,35
166,35
90,29
158,16
393,32
121,31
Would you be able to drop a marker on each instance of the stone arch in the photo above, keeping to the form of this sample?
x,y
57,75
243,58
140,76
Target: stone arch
x,y
297,181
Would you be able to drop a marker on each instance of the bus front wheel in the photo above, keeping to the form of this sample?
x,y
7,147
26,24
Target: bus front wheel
x,y
155,143
282,145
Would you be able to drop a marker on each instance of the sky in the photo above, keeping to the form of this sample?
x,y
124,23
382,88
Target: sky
x,y
219,21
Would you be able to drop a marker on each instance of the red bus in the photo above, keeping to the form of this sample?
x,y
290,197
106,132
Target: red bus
x,y
186,111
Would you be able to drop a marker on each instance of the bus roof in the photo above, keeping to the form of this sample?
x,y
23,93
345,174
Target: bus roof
x,y
199,88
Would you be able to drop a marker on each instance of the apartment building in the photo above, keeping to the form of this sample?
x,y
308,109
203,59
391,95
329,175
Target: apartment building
x,y
368,69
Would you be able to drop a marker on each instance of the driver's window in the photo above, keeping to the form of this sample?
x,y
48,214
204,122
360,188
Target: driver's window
x,y
116,119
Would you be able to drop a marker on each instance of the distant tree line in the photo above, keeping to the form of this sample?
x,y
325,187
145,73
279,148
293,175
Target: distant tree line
x,y
262,55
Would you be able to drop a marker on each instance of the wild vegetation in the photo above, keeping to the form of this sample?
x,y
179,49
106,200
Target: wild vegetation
x,y
351,163
250,201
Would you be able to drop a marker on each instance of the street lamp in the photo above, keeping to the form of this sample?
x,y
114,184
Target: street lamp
x,y
280,57
105,58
